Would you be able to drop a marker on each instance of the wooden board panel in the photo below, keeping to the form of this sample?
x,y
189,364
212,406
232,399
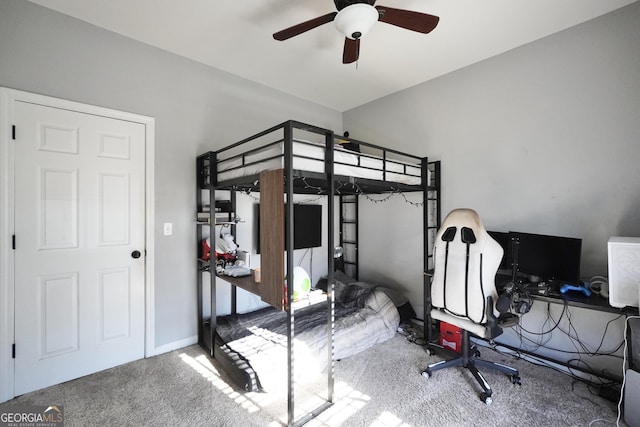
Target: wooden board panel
x,y
272,236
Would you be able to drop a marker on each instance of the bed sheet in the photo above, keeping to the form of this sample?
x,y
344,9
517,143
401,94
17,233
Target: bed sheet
x,y
309,156
260,337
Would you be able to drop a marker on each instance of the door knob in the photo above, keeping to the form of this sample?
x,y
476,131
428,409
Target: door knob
x,y
135,254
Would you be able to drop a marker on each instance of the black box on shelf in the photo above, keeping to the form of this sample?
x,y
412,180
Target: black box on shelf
x,y
223,205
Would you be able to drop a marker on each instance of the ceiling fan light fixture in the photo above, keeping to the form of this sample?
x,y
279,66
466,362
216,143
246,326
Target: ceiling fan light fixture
x,y
356,20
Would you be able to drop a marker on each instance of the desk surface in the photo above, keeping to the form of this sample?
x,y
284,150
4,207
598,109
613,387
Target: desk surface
x,y
250,285
572,298
245,282
578,299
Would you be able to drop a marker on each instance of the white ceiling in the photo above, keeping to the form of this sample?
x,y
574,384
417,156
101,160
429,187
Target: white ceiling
x,y
236,36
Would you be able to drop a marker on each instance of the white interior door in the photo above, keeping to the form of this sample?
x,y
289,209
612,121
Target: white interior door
x,y
79,220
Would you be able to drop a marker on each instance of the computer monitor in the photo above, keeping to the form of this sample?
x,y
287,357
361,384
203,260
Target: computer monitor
x,y
551,258
307,226
502,237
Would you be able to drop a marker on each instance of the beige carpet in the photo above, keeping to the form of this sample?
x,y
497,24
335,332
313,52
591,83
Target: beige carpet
x,y
381,387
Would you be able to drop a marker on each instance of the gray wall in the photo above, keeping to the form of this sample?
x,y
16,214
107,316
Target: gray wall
x,y
196,108
543,139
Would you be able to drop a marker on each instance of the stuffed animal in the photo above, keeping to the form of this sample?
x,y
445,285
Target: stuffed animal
x,y
225,244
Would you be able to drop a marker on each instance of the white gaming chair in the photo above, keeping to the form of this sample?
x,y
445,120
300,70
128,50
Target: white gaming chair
x,y
463,291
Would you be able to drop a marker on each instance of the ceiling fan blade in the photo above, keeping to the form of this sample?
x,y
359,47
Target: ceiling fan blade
x,y
287,33
415,21
351,50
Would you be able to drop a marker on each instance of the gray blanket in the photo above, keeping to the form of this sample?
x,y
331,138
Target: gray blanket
x,y
364,316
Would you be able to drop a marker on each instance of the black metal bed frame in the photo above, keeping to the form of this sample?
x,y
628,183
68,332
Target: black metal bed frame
x,y
306,182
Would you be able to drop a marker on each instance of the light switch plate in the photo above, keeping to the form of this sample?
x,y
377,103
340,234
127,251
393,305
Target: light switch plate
x,y
168,228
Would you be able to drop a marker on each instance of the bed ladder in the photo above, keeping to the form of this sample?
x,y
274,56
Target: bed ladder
x,y
349,234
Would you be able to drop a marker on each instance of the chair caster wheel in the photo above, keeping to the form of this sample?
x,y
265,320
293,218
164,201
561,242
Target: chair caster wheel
x,y
426,373
429,351
488,400
515,379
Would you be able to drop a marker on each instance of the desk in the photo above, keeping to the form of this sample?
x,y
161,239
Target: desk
x,y
576,299
244,282
247,283
594,303
571,298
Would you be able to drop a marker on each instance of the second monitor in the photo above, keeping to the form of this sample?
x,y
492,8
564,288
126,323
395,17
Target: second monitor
x,y
551,258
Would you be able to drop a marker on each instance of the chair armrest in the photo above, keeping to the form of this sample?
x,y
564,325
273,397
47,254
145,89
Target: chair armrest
x,y
493,325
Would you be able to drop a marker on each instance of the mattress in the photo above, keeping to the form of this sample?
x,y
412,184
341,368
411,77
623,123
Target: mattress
x,y
309,156
257,341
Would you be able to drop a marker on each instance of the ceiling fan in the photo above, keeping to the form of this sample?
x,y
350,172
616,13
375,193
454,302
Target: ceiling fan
x,y
355,18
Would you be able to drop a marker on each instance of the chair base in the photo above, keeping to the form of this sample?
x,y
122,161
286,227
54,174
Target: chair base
x,y
469,359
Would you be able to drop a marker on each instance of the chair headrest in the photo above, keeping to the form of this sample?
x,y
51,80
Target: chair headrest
x,y
467,221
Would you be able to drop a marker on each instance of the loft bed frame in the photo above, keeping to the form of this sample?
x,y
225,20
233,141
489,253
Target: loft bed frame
x,y
279,163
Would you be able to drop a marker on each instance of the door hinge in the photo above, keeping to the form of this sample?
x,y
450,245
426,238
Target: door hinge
x,y
13,132
13,351
13,242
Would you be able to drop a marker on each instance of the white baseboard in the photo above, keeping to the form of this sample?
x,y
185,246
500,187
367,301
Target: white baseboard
x,y
175,345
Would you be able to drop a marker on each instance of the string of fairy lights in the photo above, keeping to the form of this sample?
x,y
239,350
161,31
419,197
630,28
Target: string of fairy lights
x,y
354,189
